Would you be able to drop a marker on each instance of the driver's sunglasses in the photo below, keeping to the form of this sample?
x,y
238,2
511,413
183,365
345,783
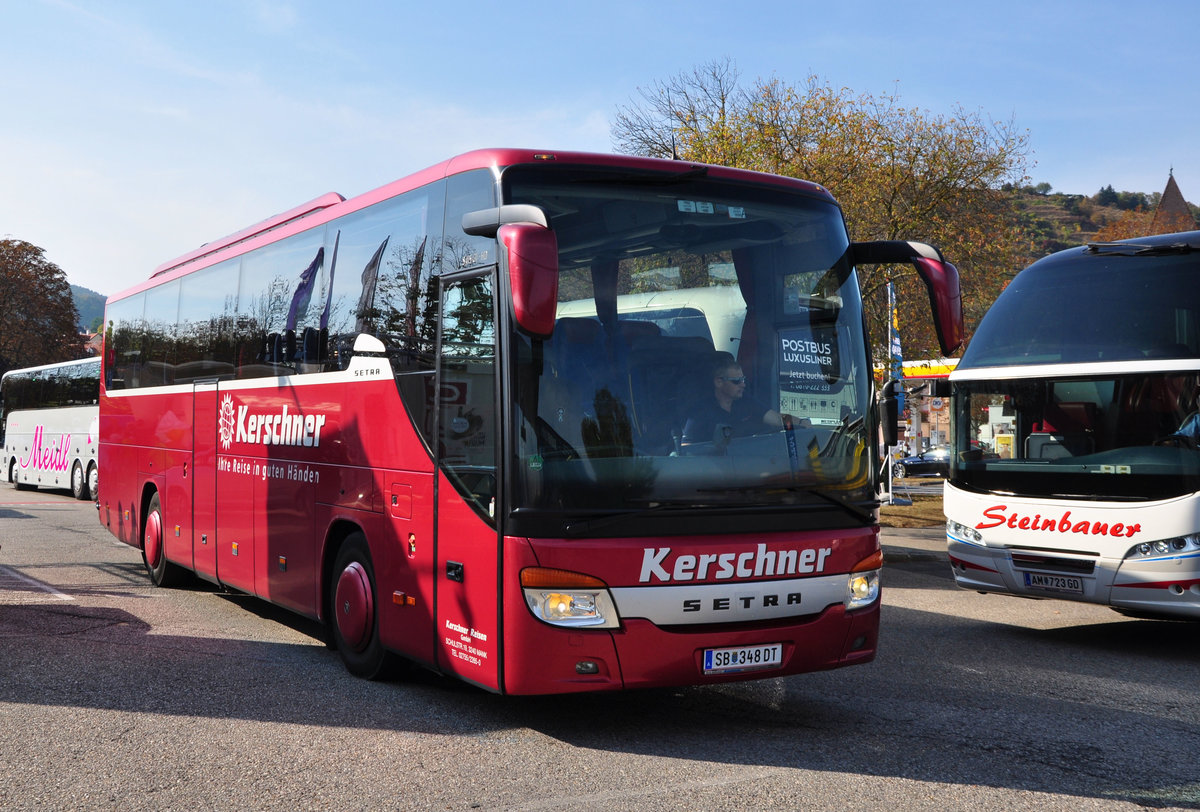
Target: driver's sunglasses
x,y
740,380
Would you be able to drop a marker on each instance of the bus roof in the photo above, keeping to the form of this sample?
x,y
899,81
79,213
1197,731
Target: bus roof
x,y
95,359
332,205
1107,308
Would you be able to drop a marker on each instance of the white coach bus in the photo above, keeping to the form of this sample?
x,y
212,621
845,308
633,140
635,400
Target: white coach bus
x,y
1076,473
49,421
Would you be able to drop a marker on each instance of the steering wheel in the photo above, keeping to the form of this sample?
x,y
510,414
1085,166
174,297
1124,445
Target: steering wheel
x,y
1177,441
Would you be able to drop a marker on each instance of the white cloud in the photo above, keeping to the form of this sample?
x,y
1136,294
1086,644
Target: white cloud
x,y
275,17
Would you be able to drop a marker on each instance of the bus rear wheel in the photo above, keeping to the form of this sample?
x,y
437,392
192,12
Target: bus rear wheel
x,y
162,572
353,611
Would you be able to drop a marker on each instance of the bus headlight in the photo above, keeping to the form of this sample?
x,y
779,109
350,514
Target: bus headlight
x,y
862,584
1160,547
961,531
564,598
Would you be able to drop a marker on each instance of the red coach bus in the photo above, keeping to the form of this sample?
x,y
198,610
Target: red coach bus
x,y
466,419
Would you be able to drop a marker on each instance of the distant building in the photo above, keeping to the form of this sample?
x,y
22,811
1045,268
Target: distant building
x,y
1172,213
93,343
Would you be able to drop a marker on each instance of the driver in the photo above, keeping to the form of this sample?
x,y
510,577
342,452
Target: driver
x,y
729,413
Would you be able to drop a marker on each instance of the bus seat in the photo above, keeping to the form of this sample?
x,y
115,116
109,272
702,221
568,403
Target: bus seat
x,y
310,350
1066,430
635,330
668,377
1161,394
273,349
576,367
576,353
1154,407
1069,417
1049,446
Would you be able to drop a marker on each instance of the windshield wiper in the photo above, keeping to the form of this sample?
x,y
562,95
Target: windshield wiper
x,y
584,526
1134,249
849,507
578,528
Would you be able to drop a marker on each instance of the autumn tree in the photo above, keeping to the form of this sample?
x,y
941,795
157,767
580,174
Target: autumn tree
x,y
1168,215
1134,223
39,312
898,172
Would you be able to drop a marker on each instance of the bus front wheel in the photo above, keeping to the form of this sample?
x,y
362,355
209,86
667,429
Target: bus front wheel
x,y
78,481
162,572
353,614
12,477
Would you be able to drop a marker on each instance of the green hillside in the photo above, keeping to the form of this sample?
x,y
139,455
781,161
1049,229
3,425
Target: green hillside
x,y
90,305
1056,221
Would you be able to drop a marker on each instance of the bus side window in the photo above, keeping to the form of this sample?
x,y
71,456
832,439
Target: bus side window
x,y
467,192
160,338
123,342
205,345
279,294
467,440
385,259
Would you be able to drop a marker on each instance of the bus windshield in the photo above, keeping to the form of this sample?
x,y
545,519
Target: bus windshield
x,y
1081,379
708,348
1081,307
1101,437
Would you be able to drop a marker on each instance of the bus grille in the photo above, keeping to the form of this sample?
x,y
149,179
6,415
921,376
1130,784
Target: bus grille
x,y
1073,566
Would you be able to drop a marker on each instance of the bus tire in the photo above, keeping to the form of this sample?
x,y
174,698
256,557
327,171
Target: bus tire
x,y
354,612
93,482
12,477
78,481
162,572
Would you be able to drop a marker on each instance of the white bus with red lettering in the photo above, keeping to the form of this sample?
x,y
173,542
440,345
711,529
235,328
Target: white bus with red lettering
x,y
48,424
1076,472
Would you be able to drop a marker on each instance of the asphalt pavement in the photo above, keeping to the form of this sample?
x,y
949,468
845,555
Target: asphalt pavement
x,y
913,544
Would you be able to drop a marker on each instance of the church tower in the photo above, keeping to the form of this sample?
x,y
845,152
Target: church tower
x,y
1173,213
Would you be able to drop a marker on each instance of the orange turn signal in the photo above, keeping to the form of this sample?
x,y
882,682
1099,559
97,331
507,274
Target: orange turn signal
x,y
548,578
872,562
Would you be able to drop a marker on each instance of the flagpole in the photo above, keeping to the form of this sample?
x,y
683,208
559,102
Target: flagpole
x,y
896,370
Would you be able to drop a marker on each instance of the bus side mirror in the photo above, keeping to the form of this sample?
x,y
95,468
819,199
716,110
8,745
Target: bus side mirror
x,y
890,406
945,298
940,278
532,252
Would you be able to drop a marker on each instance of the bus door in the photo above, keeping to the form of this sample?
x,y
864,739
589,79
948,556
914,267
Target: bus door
x,y
467,567
204,480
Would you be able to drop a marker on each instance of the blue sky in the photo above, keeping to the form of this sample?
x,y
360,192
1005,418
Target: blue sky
x,y
136,130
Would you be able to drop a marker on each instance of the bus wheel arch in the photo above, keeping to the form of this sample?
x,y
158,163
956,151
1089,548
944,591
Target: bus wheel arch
x,y
353,607
13,477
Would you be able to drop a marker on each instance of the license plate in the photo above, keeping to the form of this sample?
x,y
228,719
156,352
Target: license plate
x,y
742,658
1053,583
